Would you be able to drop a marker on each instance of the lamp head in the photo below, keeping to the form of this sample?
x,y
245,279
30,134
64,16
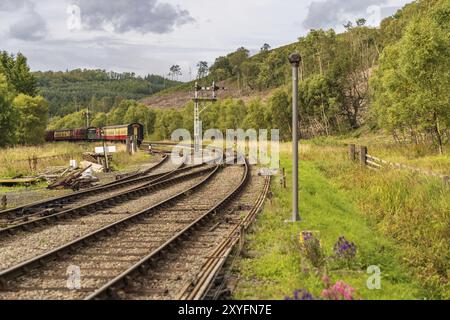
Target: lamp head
x,y
295,59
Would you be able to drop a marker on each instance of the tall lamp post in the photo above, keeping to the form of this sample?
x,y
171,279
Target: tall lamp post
x,y
295,60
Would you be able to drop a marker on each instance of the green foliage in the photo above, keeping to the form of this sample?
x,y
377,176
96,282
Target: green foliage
x,y
23,117
17,73
281,112
8,115
141,114
276,269
124,111
70,121
167,121
100,120
410,87
71,91
33,116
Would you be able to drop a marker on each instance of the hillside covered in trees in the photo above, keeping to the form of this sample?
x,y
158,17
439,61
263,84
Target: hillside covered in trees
x,y
71,91
393,77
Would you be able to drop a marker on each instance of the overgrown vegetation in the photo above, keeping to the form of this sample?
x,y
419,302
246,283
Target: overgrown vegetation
x,y
396,220
275,265
410,88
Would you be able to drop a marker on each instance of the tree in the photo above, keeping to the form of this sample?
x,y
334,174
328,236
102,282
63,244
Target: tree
x,y
202,69
237,58
22,79
70,121
175,72
265,48
141,114
221,69
167,121
18,73
319,110
100,120
281,112
8,115
117,114
410,87
33,117
256,115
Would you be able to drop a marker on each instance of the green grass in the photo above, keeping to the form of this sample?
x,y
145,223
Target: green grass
x,y
14,161
383,146
329,208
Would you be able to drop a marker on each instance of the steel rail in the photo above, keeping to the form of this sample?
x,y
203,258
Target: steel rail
x,y
121,281
26,266
23,210
105,202
163,160
211,268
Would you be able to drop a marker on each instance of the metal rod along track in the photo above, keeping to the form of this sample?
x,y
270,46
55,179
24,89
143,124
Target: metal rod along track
x,y
113,200
58,201
121,281
39,261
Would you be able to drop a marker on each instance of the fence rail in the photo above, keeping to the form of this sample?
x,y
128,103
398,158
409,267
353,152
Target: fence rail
x,y
374,163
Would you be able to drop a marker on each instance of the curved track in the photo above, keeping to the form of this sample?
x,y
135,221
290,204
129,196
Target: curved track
x,y
106,253
53,231
185,267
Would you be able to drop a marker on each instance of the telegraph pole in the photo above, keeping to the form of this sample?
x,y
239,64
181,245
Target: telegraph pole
x,y
295,60
87,117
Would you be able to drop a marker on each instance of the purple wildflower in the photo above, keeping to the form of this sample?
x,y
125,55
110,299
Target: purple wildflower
x,y
344,249
301,295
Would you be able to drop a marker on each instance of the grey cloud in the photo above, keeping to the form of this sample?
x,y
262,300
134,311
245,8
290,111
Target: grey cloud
x,y
143,16
331,13
32,27
13,5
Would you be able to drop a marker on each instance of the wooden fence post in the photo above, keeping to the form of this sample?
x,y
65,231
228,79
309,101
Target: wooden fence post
x,y
4,202
363,156
35,162
283,178
352,152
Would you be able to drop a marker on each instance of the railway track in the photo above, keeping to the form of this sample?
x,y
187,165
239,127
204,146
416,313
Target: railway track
x,y
187,265
48,206
91,202
49,232
106,253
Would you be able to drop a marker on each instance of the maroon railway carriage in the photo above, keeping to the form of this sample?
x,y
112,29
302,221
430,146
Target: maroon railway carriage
x,y
70,135
111,133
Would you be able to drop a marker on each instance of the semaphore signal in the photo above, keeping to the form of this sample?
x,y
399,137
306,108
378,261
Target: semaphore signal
x,y
198,109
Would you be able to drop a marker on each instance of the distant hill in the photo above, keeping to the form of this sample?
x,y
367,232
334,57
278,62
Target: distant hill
x,y
325,53
70,91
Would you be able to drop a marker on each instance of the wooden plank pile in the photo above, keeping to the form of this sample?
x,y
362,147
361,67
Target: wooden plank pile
x,y
74,179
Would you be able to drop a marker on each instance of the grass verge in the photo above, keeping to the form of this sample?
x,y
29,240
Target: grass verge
x,y
339,199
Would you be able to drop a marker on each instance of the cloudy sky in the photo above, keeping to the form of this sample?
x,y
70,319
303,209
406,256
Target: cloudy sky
x,y
147,36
